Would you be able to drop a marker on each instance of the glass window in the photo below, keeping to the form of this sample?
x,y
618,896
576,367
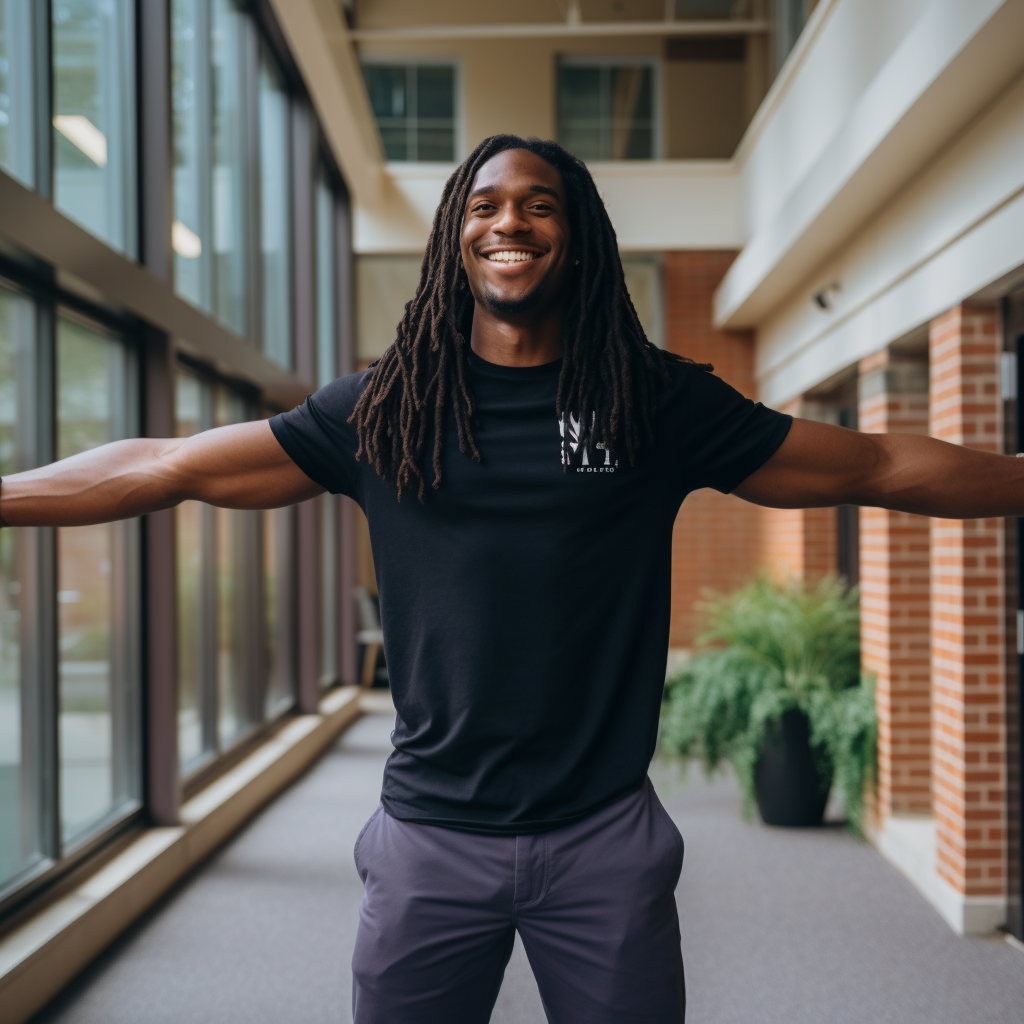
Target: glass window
x,y
279,608
196,740
190,232
643,276
234,711
606,110
94,117
97,598
229,179
326,329
275,219
218,611
210,194
415,109
17,149
21,799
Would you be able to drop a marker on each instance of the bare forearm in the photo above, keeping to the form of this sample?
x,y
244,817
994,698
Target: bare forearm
x,y
240,466
820,465
930,477
115,481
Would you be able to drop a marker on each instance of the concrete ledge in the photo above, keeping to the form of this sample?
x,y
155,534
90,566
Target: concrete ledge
x,y
46,952
909,845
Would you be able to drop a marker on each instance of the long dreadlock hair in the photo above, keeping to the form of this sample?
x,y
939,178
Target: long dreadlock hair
x,y
611,374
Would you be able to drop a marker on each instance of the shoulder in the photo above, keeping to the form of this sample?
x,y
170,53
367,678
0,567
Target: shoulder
x,y
690,382
337,399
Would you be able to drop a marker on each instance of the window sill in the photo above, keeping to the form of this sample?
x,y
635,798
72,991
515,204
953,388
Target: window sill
x,y
43,954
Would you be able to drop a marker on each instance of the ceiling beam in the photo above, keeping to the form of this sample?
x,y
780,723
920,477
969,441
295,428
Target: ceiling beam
x,y
560,30
319,41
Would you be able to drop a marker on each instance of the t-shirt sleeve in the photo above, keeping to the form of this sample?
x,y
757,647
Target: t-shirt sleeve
x,y
724,436
318,437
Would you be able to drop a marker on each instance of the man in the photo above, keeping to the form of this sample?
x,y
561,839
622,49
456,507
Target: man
x,y
521,452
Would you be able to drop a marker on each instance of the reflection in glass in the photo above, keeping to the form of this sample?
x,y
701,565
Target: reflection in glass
x,y
97,675
94,116
231,530
193,626
278,543
190,231
275,277
20,791
326,335
606,111
17,149
228,183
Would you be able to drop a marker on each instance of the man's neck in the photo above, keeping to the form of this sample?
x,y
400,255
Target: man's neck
x,y
526,341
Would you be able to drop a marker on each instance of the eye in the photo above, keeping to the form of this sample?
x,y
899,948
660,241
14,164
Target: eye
x,y
484,207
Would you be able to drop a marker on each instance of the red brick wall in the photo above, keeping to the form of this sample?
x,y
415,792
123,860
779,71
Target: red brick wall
x,y
894,599
798,543
968,615
716,544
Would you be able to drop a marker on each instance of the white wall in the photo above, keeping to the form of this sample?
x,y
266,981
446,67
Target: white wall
x,y
869,100
654,205
958,227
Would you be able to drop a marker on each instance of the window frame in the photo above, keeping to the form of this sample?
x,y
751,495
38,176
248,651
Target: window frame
x,y
599,61
411,62
60,857
132,581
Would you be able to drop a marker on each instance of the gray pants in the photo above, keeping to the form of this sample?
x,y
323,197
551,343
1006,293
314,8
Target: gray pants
x,y
593,902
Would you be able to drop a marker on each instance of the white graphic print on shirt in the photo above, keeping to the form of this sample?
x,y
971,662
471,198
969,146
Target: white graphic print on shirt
x,y
585,458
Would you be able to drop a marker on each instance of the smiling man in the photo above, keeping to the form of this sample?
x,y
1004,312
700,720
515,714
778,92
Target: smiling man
x,y
521,452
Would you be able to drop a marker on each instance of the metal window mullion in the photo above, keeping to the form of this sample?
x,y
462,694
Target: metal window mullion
x,y
249,60
44,653
42,47
204,154
208,603
411,112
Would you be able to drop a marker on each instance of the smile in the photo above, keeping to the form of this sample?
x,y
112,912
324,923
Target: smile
x,y
511,256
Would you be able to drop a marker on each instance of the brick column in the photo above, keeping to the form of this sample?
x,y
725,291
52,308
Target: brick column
x,y
799,543
894,597
968,618
716,540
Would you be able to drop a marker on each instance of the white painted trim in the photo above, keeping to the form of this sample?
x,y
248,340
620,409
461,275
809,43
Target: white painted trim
x,y
560,30
43,954
783,81
318,40
953,62
909,845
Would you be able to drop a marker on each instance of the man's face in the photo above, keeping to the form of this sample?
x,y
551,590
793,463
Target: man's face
x,y
515,234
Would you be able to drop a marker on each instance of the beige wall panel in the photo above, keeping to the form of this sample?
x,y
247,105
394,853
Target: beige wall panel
x,y
384,284
403,13
508,87
703,106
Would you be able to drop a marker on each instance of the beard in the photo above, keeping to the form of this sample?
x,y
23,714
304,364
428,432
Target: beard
x,y
527,303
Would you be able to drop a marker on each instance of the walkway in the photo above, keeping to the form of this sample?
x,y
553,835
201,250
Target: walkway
x,y
779,927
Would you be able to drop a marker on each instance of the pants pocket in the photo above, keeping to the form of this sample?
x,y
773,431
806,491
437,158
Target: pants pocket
x,y
671,829
359,840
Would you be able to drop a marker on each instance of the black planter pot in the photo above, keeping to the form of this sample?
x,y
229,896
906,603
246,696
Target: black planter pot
x,y
790,789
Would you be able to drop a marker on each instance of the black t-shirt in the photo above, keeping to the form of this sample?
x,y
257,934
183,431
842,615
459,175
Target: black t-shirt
x,y
526,608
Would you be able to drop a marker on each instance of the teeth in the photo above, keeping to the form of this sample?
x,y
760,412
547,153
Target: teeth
x,y
511,256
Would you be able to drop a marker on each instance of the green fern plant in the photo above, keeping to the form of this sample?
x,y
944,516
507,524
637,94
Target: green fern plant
x,y
769,648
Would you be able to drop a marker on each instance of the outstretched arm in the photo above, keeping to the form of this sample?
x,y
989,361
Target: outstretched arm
x,y
820,465
240,466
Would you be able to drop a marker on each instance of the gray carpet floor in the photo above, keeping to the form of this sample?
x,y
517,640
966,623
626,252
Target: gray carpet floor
x,y
793,927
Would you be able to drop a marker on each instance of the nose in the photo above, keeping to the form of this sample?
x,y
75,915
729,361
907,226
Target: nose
x,y
510,220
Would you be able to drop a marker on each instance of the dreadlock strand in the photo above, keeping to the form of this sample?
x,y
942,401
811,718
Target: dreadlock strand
x,y
611,374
